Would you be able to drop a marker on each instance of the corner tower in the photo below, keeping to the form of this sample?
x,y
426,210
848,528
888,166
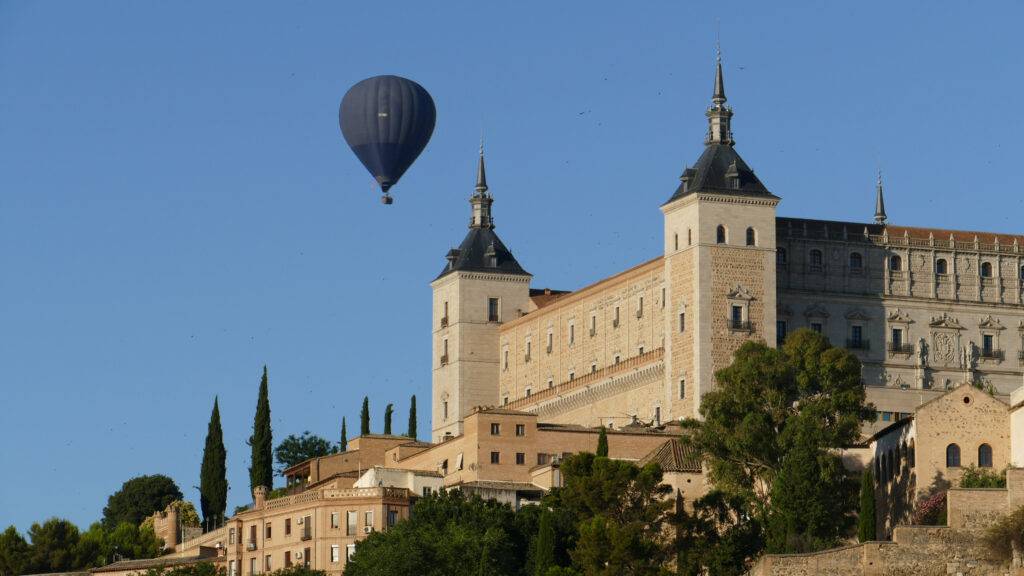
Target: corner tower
x,y
719,263
481,286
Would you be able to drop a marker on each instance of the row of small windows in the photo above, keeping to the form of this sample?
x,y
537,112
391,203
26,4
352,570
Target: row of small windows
x,y
889,464
856,262
721,236
953,456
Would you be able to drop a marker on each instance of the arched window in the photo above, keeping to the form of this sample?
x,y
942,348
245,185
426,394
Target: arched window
x,y
895,263
984,456
952,456
751,237
891,465
780,258
912,457
941,267
903,456
720,234
856,261
986,269
1022,272
815,257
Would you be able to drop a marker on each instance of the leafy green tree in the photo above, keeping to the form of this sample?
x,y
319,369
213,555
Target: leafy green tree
x,y
718,537
1004,538
14,552
213,481
139,498
389,411
364,417
412,418
343,445
813,498
867,518
100,546
261,473
974,477
447,534
602,442
53,546
544,545
187,515
295,449
806,396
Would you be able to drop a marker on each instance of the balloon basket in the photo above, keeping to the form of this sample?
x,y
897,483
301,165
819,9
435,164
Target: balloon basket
x,y
387,200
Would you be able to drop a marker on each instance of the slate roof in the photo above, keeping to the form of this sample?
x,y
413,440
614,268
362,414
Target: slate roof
x,y
713,170
472,255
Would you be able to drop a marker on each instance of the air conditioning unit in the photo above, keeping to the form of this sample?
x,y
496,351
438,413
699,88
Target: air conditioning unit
x,y
300,520
367,529
298,555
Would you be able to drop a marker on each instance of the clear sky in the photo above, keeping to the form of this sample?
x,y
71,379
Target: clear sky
x,y
178,208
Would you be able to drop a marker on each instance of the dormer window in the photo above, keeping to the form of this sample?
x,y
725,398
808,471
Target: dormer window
x,y
491,256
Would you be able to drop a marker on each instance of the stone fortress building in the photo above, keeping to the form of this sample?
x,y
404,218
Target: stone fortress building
x,y
924,309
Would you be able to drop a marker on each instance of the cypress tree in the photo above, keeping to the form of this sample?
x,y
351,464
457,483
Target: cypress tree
x,y
213,482
388,412
364,417
343,445
866,519
544,545
262,471
602,442
412,418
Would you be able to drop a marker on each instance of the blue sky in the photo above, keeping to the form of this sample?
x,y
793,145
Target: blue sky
x,y
178,208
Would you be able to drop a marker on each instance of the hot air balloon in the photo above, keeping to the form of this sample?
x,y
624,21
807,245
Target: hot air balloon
x,y
387,121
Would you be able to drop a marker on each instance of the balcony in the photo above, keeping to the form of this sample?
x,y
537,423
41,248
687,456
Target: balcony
x,y
307,534
900,348
250,545
991,354
861,344
444,359
1020,356
444,322
740,325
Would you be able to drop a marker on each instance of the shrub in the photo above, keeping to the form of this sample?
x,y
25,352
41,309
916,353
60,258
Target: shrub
x,y
975,477
1005,536
932,510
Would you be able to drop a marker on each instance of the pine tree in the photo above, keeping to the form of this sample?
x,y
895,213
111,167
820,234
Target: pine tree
x,y
412,418
544,545
364,417
343,445
866,519
262,471
388,412
602,442
213,482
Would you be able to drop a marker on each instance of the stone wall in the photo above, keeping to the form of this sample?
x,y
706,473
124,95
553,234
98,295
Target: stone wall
x,y
976,508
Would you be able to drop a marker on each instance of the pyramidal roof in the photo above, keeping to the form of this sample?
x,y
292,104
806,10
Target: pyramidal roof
x,y
720,169
481,250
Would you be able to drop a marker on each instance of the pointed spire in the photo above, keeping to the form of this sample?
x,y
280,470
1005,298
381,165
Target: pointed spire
x,y
719,115
879,202
718,98
481,173
481,201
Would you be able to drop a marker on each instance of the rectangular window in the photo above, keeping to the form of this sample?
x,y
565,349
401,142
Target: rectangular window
x,y
737,316
495,429
444,408
593,325
520,430
897,339
252,565
392,518
350,550
504,361
368,518
689,236
520,458
287,558
886,416
505,401
231,535
572,334
987,344
551,342
287,526
528,392
266,563
640,350
617,358
640,308
529,349
816,326
350,523
495,457
662,297
307,557
856,336
682,321
335,520
267,532
335,553
572,376
551,382
675,237
232,568
682,388
780,332
493,310
543,459
252,534
427,491
657,415
615,320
